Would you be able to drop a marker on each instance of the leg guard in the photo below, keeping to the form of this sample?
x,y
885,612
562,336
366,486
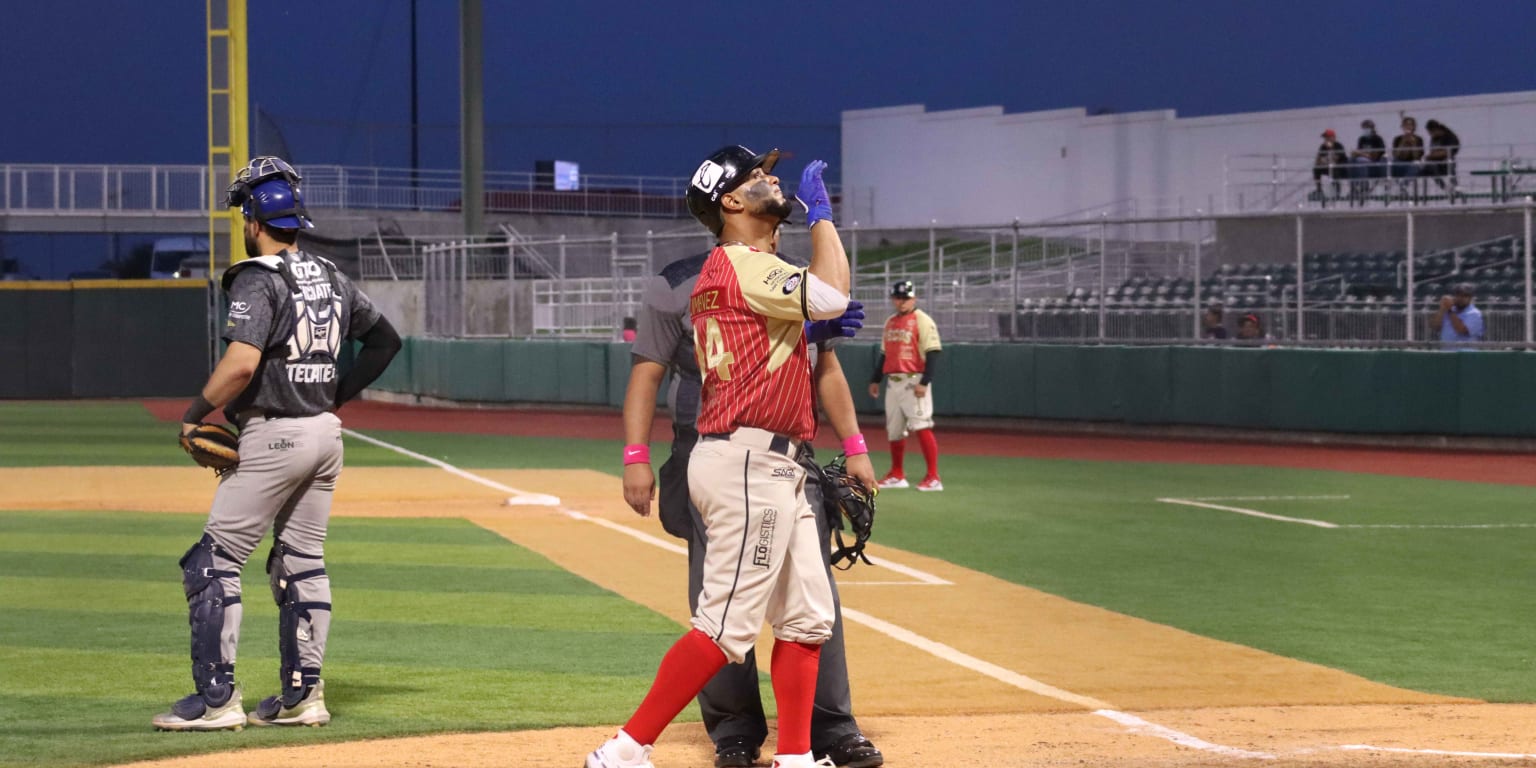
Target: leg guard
x,y
202,567
303,595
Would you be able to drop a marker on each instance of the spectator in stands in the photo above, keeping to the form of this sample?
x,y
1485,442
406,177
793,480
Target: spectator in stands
x,y
1407,150
1367,161
1459,320
1332,161
1440,162
1250,329
1210,324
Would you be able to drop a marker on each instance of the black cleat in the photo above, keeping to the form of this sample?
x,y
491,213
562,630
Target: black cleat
x,y
853,751
736,752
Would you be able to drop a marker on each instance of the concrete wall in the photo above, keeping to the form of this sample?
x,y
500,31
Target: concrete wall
x,y
1272,239
905,166
486,305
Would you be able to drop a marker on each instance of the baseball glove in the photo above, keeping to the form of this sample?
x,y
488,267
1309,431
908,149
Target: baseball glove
x,y
856,505
214,446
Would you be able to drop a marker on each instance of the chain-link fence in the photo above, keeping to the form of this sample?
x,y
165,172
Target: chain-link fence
x,y
1310,278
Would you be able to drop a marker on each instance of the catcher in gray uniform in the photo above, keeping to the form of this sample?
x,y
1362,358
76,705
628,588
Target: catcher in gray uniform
x,y
288,315
731,702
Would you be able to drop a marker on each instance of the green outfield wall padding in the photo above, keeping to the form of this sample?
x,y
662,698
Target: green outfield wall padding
x,y
103,339
1359,391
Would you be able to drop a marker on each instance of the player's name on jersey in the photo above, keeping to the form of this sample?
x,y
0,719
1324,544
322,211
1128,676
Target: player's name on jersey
x,y
311,373
704,301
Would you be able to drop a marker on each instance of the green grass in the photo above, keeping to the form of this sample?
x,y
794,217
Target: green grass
x,y
445,626
441,626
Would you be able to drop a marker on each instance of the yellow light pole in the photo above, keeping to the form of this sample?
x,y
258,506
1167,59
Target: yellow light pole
x,y
228,126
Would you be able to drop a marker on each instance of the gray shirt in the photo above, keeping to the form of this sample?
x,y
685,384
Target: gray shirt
x,y
299,330
664,333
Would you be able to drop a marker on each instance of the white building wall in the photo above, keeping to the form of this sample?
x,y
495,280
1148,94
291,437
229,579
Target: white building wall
x,y
905,166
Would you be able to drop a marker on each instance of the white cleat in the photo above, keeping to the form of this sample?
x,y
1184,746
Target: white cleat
x,y
621,751
192,713
310,710
930,484
893,480
802,761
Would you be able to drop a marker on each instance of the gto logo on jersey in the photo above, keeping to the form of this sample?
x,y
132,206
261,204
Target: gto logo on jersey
x,y
898,335
311,373
707,176
764,549
784,473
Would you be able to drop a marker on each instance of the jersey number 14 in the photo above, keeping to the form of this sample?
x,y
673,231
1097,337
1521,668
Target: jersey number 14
x,y
716,358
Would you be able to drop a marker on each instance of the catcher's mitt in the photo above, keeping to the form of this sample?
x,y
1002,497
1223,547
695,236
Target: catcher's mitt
x,y
214,446
856,504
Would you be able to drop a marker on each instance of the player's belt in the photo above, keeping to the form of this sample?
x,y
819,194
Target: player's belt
x,y
761,439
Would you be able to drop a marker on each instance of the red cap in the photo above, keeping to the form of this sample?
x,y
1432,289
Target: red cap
x,y
1328,134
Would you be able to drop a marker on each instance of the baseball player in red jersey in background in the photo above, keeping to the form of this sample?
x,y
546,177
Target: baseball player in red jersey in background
x,y
763,558
909,351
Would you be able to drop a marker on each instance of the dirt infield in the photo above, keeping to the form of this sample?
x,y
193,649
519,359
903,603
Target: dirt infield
x,y
1040,681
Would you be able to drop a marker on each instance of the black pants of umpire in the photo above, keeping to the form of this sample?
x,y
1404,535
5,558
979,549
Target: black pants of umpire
x,y
731,702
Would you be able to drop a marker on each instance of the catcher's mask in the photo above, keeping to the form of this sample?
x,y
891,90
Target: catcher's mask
x,y
267,190
724,171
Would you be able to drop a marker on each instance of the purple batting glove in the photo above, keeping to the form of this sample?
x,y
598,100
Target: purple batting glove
x,y
843,326
813,194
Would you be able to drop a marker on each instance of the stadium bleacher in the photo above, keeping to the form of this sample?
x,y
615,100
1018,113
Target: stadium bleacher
x,y
1374,280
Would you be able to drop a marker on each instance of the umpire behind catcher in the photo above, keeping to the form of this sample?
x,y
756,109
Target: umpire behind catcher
x,y
288,314
731,703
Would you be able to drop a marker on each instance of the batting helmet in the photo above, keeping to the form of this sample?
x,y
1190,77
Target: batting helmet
x,y
904,289
724,171
267,190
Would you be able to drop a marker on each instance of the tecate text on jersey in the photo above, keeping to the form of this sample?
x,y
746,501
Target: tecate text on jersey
x,y
311,373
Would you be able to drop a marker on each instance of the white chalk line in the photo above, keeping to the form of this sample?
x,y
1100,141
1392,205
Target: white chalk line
x,y
1195,502
538,499
900,634
1447,752
1251,513
1344,497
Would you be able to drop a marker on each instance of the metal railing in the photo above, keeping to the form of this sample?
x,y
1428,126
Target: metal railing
x,y
1287,180
184,190
1146,280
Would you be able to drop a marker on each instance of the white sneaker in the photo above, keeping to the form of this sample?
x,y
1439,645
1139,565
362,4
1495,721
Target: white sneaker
x,y
894,480
930,484
802,761
192,713
621,751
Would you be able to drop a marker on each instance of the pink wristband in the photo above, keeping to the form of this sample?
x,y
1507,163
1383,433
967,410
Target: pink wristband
x,y
637,454
853,445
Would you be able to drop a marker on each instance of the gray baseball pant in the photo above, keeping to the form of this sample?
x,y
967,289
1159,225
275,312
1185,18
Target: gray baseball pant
x,y
287,475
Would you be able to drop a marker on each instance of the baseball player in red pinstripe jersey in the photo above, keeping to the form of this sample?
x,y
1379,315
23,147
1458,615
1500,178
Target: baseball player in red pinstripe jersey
x,y
764,557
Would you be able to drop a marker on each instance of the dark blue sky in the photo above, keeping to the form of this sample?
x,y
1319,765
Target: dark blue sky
x,y
647,88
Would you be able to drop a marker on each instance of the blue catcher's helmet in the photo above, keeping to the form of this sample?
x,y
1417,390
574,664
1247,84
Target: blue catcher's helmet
x,y
267,190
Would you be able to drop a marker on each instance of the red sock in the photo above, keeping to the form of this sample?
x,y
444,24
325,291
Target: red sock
x,y
930,450
688,665
898,455
794,690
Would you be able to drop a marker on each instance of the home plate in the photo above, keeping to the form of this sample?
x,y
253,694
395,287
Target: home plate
x,y
532,500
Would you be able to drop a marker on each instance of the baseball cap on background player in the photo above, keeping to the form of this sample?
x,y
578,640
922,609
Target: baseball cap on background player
x,y
267,190
724,171
904,289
